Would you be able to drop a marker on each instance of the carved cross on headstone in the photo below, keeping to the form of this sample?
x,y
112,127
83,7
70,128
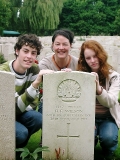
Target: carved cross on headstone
x,y
68,136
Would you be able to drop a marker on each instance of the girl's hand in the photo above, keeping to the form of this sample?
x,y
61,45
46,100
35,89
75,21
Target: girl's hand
x,y
98,87
66,69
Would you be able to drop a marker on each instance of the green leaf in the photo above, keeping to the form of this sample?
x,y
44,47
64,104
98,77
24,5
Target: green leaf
x,y
19,149
40,149
26,150
24,154
34,155
44,147
46,150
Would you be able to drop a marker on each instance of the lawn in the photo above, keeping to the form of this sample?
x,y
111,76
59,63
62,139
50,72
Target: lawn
x,y
35,140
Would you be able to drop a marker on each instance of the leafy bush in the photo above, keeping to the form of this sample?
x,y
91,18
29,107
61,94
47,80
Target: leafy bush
x,y
2,59
27,155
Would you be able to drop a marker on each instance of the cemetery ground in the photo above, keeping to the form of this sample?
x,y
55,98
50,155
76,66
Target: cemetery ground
x,y
35,140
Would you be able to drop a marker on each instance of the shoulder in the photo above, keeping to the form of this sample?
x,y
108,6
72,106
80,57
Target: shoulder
x,y
46,62
46,59
114,76
113,73
74,59
5,66
34,69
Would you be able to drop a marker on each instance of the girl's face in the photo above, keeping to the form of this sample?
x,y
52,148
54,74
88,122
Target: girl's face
x,y
61,46
91,59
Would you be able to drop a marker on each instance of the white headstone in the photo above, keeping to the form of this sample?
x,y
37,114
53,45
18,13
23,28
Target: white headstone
x,y
11,56
7,48
118,67
7,116
69,115
45,52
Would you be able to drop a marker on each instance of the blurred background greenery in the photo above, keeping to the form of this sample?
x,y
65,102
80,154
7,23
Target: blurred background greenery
x,y
42,17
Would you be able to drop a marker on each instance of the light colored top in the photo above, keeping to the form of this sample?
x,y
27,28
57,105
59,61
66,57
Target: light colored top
x,y
26,97
101,111
109,97
49,63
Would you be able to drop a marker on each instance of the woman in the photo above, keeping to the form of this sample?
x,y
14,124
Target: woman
x,y
61,59
61,45
93,58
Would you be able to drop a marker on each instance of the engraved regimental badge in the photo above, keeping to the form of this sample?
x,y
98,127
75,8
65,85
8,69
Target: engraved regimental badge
x,y
69,90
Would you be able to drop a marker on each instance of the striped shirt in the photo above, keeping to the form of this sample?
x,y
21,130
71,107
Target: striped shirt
x,y
26,97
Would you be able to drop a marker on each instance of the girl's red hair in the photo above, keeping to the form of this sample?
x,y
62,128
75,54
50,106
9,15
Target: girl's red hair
x,y
104,69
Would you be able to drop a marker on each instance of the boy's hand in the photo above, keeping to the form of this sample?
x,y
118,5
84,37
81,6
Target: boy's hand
x,y
39,78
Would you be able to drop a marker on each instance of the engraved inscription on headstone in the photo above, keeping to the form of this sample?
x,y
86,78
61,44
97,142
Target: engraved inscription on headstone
x,y
68,115
67,136
7,116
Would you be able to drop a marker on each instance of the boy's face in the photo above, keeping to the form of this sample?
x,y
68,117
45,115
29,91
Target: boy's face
x,y
26,57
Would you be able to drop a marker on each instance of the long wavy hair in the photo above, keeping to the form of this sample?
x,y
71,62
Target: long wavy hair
x,y
104,69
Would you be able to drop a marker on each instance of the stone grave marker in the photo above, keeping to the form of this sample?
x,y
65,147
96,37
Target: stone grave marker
x,y
7,48
7,116
11,56
69,115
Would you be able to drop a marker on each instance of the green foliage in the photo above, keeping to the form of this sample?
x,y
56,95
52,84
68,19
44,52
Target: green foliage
x,y
42,17
2,59
5,14
37,16
88,17
31,155
117,22
15,23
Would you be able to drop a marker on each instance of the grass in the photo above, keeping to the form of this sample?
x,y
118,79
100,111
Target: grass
x,y
35,140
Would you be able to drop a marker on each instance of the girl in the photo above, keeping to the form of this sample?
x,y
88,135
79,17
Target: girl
x,y
93,58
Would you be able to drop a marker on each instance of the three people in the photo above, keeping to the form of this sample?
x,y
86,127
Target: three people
x,y
93,59
28,77
27,80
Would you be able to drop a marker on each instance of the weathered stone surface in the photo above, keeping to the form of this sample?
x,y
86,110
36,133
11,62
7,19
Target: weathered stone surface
x,y
7,116
68,115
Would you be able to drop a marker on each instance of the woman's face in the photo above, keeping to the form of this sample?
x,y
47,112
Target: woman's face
x,y
91,59
61,46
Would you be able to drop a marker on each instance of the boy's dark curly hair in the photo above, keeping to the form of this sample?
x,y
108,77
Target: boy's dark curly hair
x,y
29,40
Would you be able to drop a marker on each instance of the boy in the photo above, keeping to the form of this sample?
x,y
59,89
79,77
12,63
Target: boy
x,y
27,81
